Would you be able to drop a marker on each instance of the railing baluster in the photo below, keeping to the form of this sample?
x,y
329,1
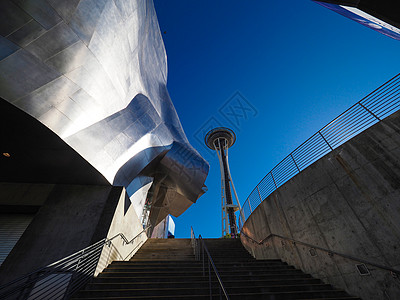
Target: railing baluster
x,y
325,140
273,180
298,169
375,116
259,195
209,279
202,247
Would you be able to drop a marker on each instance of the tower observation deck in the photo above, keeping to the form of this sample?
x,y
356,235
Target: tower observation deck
x,y
221,139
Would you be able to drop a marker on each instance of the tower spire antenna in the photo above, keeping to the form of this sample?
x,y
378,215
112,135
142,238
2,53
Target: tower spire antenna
x,y
221,139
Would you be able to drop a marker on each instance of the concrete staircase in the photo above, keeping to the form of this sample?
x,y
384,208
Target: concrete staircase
x,y
166,269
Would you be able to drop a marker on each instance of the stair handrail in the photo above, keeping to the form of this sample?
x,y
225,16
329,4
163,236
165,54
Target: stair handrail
x,y
200,248
370,110
330,252
61,279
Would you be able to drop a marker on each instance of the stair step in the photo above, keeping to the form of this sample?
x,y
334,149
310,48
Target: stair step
x,y
196,268
276,287
222,272
214,296
285,292
145,277
233,263
167,269
326,295
125,283
197,264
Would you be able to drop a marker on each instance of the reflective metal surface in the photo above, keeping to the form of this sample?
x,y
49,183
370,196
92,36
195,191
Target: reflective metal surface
x,y
95,72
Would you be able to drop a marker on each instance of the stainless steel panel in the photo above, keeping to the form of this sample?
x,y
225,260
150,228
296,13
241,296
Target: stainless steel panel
x,y
70,58
11,17
85,18
47,96
7,47
21,73
52,42
27,33
64,8
41,11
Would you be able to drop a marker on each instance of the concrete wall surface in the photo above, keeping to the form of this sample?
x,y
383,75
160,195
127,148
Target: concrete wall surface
x,y
347,202
124,220
71,217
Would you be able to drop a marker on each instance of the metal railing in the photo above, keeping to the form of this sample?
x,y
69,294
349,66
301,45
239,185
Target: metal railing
x,y
379,104
201,253
61,279
331,253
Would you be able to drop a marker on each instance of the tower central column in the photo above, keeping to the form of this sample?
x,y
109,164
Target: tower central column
x,y
220,139
228,195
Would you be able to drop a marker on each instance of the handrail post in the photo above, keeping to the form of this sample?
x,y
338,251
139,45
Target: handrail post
x,y
202,247
276,187
79,260
298,169
251,211
325,140
259,195
369,111
209,278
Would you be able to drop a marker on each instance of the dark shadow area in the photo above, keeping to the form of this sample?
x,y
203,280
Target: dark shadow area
x,y
31,152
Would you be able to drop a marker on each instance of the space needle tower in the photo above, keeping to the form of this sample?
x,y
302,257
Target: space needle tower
x,y
221,139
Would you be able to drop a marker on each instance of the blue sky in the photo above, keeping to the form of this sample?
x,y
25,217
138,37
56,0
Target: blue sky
x,y
297,64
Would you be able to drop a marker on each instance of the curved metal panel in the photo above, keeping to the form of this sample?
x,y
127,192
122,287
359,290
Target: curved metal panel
x,y
95,73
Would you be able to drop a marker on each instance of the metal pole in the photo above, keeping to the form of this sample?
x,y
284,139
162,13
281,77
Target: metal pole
x,y
273,180
294,163
259,195
233,186
209,278
325,139
369,111
202,247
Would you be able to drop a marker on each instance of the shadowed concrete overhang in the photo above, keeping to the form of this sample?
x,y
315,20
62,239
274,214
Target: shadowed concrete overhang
x,y
37,155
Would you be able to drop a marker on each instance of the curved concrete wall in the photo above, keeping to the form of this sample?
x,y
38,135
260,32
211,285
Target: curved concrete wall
x,y
348,202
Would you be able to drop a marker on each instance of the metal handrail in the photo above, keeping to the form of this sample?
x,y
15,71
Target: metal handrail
x,y
61,279
199,249
330,252
370,110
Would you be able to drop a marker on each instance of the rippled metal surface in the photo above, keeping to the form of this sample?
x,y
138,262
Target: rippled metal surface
x,y
95,72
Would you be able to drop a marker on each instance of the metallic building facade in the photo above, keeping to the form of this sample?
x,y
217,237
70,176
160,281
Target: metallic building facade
x,y
94,72
382,16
